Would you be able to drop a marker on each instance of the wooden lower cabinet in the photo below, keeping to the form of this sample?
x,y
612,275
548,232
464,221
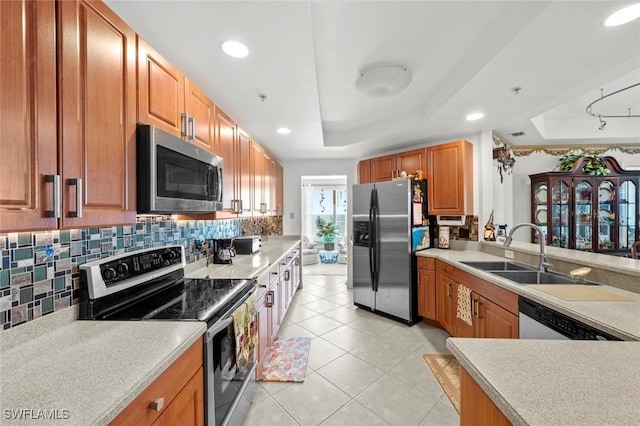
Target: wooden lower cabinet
x,y
446,299
426,288
476,408
174,398
495,321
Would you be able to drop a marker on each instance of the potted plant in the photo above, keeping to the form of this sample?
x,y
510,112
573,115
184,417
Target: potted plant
x,y
594,165
327,230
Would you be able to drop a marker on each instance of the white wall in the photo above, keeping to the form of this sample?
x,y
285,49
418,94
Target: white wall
x,y
292,186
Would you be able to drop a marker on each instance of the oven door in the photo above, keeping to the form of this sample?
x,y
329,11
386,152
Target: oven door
x,y
228,394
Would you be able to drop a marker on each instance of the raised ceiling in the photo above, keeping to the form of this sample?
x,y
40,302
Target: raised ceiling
x,y
464,56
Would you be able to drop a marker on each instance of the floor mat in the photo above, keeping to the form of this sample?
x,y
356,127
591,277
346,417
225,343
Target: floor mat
x,y
447,371
286,360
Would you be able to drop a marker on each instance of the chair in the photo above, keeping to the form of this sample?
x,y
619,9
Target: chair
x,y
342,251
309,251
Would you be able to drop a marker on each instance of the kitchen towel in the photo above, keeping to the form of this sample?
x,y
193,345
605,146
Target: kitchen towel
x,y
251,327
464,304
238,351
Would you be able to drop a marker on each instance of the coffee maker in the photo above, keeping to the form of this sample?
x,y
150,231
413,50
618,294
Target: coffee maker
x,y
223,250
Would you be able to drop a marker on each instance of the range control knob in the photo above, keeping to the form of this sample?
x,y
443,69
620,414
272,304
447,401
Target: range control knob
x,y
110,273
123,268
171,255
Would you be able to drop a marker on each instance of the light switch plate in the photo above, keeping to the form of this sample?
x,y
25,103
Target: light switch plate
x,y
508,254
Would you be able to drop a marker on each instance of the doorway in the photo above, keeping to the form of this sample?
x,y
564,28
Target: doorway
x,y
324,225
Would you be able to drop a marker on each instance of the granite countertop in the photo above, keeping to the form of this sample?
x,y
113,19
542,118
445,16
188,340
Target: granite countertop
x,y
621,319
88,371
555,382
246,265
569,382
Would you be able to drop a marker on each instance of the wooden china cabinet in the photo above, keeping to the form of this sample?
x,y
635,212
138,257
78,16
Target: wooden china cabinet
x,y
593,213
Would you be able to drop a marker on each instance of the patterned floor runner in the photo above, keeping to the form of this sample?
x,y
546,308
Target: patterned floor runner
x,y
447,370
286,360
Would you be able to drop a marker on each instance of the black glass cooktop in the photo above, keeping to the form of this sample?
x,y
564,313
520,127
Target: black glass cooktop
x,y
187,299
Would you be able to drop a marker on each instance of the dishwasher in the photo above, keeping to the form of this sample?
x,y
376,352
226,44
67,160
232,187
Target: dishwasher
x,y
541,322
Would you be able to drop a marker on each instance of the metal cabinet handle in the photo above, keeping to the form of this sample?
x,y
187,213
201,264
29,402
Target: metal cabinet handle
x,y
185,122
449,289
479,309
270,299
192,125
77,182
157,404
474,308
287,275
297,261
57,206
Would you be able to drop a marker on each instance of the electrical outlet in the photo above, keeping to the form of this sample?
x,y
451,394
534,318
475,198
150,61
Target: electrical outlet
x,y
508,254
291,215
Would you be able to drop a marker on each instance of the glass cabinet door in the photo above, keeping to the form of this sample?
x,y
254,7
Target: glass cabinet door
x,y
560,214
627,217
606,215
540,209
583,215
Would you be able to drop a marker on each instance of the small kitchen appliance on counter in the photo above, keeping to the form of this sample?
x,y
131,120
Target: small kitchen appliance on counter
x,y
150,285
247,244
223,250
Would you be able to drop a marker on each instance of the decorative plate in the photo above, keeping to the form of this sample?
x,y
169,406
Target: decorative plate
x,y
605,215
541,195
541,217
605,195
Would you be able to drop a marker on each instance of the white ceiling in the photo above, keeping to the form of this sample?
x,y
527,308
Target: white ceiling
x,y
465,56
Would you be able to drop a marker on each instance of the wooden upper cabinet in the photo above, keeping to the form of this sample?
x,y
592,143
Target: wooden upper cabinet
x,y
225,139
383,168
450,178
411,161
202,113
245,166
364,171
160,91
28,138
279,189
97,98
257,174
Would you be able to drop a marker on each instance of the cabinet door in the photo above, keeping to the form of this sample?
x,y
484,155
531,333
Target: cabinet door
x,y
264,326
495,321
160,91
201,111
450,178
279,190
445,302
225,135
411,161
427,293
267,182
383,168
276,295
187,408
257,175
364,171
97,92
28,139
245,168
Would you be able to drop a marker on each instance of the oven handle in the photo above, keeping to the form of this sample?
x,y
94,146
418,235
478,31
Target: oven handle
x,y
218,327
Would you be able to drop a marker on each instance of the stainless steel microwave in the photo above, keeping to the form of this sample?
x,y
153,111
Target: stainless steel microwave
x,y
174,176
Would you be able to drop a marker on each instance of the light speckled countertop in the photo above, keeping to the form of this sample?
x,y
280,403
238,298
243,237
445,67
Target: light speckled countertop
x,y
246,265
558,382
92,369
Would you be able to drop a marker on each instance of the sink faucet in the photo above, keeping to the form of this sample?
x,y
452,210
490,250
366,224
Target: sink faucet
x,y
544,265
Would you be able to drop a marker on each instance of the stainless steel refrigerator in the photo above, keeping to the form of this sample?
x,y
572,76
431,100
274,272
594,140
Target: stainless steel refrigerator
x,y
384,268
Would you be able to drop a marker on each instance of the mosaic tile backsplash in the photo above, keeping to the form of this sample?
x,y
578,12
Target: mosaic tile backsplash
x,y
39,270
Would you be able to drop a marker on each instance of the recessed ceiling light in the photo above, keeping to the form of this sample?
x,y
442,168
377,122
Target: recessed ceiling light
x,y
475,116
623,16
235,49
283,130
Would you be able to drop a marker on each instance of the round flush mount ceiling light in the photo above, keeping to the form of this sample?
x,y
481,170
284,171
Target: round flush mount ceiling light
x,y
383,81
235,49
623,16
283,130
475,116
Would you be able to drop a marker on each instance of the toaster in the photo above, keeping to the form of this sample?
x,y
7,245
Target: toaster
x,y
247,244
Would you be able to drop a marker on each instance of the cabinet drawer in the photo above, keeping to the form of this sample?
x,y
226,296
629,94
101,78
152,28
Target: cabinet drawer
x,y
166,386
444,268
274,274
262,285
426,263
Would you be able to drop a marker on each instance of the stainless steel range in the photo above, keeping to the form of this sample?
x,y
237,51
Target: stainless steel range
x,y
150,285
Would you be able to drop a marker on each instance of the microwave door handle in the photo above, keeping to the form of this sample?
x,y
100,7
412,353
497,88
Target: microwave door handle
x,y
219,181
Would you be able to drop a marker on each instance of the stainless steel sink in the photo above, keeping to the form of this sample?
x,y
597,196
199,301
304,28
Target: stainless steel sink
x,y
500,266
537,277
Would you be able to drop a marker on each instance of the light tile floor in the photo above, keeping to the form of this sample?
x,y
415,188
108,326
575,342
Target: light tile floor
x,y
363,369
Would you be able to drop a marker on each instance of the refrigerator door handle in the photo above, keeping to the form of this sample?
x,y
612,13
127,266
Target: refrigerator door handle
x,y
376,241
370,242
